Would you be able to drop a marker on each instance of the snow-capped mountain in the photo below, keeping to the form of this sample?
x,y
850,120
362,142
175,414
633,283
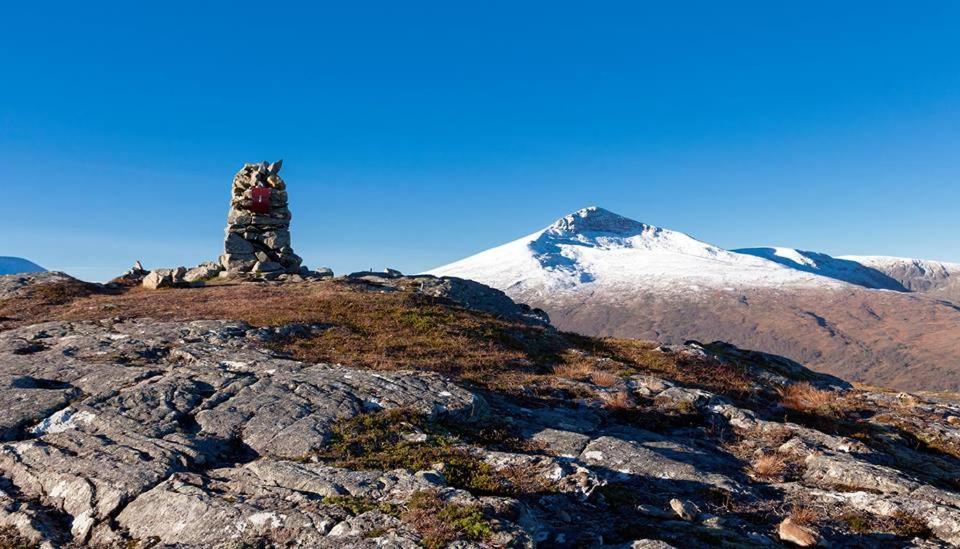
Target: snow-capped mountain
x,y
594,248
894,322
17,265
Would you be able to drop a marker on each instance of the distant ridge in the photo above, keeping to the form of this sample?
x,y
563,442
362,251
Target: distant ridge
x,y
17,265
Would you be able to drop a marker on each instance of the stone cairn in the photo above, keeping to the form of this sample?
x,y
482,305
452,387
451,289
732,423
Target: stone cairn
x,y
259,242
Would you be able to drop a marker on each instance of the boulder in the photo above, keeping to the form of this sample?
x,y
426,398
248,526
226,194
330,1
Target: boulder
x,y
324,272
267,267
846,472
164,278
204,271
797,534
156,280
235,244
684,509
628,457
683,399
238,262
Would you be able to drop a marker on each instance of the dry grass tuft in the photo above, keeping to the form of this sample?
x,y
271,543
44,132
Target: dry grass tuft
x,y
579,370
899,524
909,526
605,379
803,515
804,397
768,466
621,400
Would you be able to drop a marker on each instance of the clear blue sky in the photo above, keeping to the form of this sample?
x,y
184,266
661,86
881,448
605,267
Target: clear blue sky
x,y
416,133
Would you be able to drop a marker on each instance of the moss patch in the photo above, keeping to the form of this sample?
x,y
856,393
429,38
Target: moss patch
x,y
439,523
402,439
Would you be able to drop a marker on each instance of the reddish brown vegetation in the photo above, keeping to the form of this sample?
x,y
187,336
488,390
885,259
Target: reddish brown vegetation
x,y
803,515
768,466
41,302
398,330
803,397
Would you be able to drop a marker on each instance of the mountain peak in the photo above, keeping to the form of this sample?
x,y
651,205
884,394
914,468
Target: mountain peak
x,y
594,219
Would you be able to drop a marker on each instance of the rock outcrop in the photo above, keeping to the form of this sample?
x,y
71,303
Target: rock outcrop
x,y
466,293
128,422
98,441
258,224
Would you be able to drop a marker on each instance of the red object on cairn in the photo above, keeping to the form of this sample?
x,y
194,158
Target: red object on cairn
x,y
261,200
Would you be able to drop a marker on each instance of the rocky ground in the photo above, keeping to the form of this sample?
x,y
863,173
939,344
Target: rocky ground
x,y
379,410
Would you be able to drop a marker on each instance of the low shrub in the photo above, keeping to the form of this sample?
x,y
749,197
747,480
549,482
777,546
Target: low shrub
x,y
803,515
804,397
768,466
439,523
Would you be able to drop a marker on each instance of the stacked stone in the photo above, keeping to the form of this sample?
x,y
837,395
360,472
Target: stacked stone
x,y
259,242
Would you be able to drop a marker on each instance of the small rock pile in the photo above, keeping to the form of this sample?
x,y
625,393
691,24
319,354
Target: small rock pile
x,y
259,242
181,277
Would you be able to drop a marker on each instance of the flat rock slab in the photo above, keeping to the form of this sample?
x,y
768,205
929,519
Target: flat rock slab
x,y
89,477
288,415
629,458
271,500
108,420
188,509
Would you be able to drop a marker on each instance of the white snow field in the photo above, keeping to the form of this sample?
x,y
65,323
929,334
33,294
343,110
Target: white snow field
x,y
597,250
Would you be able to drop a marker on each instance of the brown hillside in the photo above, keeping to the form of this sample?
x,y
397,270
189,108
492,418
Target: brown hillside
x,y
890,339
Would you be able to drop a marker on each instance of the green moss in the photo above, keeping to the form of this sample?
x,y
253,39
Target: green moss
x,y
857,522
440,522
909,526
375,441
376,533
422,321
900,524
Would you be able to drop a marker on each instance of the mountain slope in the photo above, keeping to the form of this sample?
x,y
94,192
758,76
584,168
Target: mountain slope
x,y
936,278
598,273
844,269
17,265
